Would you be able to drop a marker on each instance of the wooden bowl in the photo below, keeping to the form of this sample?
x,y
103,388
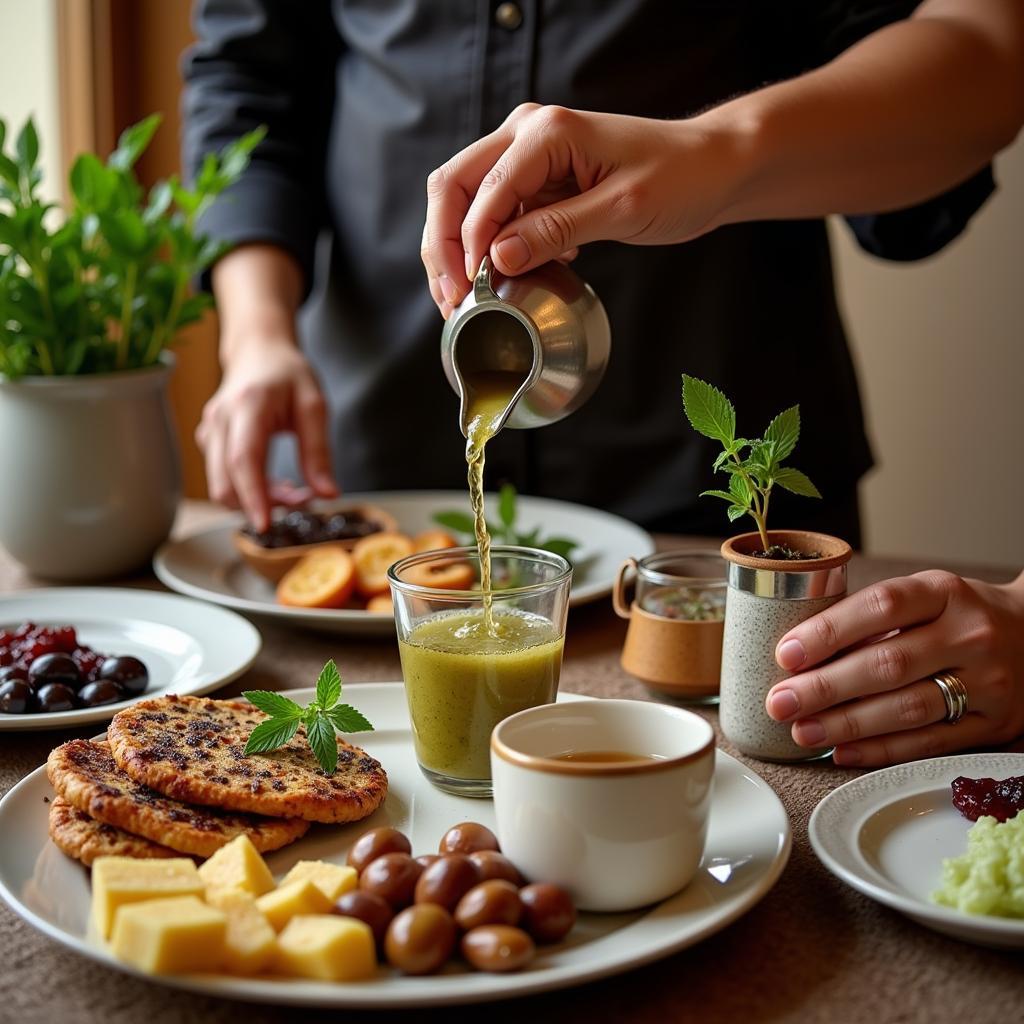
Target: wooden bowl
x,y
273,563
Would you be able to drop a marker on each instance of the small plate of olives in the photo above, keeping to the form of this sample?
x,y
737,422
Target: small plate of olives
x,y
70,656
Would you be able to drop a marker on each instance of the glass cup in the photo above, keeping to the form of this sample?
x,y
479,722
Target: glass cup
x,y
466,666
674,640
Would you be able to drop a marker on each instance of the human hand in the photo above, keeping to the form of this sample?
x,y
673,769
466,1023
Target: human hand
x,y
267,387
551,179
876,701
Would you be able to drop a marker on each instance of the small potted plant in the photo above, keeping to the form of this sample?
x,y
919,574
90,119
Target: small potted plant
x,y
777,578
90,300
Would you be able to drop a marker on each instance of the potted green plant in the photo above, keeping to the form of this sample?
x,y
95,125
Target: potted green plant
x,y
776,578
90,300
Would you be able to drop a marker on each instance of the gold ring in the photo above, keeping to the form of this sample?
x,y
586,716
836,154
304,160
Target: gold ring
x,y
954,693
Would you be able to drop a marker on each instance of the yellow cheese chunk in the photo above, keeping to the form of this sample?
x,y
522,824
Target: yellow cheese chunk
x,y
301,897
120,880
250,942
238,865
331,879
170,936
326,947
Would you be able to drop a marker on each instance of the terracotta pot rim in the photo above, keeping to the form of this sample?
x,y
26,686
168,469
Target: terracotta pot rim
x,y
835,551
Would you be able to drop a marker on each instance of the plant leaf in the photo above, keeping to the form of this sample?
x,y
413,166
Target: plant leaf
x,y
273,704
797,482
27,146
735,512
323,742
328,686
133,142
270,735
739,490
346,718
784,430
559,546
710,413
460,522
507,505
724,495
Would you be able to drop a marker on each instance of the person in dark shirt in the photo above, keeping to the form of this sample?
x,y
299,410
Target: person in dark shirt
x,y
732,127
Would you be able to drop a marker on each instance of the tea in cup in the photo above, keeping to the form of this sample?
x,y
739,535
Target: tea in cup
x,y
607,798
470,659
676,622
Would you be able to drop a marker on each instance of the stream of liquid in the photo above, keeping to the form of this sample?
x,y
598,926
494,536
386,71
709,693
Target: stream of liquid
x,y
487,397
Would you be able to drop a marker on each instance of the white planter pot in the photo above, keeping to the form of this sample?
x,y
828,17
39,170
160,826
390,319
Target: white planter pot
x,y
90,476
765,599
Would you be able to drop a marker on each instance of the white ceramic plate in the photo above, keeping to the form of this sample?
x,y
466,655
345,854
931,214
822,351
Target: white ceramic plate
x,y
206,565
747,847
886,834
188,647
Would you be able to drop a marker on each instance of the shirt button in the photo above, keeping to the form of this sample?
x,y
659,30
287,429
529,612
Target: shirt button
x,y
508,16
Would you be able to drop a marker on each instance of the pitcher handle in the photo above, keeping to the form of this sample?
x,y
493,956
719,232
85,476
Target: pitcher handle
x,y
619,602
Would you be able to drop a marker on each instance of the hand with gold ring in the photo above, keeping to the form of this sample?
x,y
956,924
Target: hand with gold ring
x,y
909,668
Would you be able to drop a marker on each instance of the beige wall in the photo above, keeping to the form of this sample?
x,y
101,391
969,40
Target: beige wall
x,y
28,78
940,349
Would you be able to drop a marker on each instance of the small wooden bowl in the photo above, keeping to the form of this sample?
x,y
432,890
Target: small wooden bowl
x,y
273,563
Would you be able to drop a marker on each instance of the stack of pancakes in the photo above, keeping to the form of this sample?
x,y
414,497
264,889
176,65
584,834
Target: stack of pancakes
x,y
172,778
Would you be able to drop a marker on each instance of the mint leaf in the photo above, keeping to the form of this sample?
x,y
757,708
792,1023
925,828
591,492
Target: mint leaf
x,y
797,482
563,546
270,735
328,686
460,522
507,505
346,718
735,512
739,490
323,742
273,704
724,495
710,413
784,430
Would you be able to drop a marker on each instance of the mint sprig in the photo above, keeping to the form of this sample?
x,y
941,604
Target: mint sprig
x,y
754,465
321,717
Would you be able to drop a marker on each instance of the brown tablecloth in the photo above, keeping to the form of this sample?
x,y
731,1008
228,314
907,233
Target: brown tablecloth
x,y
812,950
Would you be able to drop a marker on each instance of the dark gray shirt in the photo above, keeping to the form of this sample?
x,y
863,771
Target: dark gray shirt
x,y
364,97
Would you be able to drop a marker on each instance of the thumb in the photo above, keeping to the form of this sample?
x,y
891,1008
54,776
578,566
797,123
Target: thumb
x,y
548,232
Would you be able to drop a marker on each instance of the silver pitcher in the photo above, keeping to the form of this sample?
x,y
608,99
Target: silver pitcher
x,y
546,326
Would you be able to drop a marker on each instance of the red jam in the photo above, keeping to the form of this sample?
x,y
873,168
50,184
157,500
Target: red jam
x,y
974,798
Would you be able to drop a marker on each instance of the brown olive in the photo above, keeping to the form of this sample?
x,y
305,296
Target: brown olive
x,y
491,864
493,902
446,881
368,907
467,838
497,947
393,876
420,939
375,843
426,859
548,912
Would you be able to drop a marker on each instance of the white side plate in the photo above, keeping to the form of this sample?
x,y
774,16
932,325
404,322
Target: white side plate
x,y
187,646
206,565
887,832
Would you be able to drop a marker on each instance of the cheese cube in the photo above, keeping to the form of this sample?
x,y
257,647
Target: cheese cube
x,y
170,936
301,897
331,879
250,942
238,865
326,947
120,880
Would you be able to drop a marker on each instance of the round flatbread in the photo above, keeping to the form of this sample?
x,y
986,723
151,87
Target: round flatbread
x,y
86,776
192,749
83,838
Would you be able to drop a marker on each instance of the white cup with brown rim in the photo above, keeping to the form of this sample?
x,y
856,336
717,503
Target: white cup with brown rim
x,y
619,832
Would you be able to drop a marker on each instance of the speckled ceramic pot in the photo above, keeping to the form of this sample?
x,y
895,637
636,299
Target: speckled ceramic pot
x,y
765,599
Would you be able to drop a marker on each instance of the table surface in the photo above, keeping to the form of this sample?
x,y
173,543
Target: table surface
x,y
812,950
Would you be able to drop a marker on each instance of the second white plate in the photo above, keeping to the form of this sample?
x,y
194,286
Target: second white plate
x,y
206,565
887,832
